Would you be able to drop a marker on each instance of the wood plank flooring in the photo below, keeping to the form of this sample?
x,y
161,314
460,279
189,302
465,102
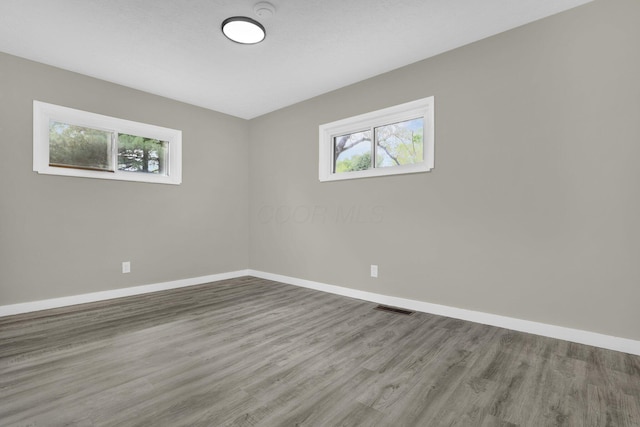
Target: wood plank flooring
x,y
251,352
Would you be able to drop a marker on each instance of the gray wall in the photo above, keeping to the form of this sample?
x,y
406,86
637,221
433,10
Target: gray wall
x,y
533,208
62,236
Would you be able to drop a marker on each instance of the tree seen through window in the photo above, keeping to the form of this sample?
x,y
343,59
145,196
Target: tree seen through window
x,y
73,146
396,144
139,154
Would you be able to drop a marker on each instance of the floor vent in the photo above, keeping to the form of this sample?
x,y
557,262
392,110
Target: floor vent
x,y
394,310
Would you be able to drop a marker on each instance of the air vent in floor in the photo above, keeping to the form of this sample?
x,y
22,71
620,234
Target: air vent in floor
x,y
394,310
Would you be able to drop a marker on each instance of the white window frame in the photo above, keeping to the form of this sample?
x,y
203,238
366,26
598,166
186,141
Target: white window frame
x,y
421,108
43,113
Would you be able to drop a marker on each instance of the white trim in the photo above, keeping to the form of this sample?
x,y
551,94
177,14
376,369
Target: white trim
x,y
421,108
568,334
43,113
27,307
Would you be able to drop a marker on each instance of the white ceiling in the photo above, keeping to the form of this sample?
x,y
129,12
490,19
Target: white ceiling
x,y
175,48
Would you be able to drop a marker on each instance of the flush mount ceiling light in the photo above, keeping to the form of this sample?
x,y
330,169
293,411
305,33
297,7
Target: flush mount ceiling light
x,y
241,29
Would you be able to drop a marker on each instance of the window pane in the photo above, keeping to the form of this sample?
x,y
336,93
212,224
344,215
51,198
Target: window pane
x,y
138,154
400,143
79,147
352,152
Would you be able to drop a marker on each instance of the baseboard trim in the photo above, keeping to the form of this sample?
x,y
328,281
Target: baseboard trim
x,y
27,307
624,345
568,334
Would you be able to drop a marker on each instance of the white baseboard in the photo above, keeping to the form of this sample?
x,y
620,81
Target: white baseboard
x,y
568,334
27,307
574,335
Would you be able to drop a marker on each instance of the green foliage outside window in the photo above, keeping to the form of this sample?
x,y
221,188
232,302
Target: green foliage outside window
x,y
139,154
399,144
79,146
395,144
87,148
356,163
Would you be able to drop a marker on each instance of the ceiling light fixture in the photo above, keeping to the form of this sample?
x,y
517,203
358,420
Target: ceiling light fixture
x,y
241,29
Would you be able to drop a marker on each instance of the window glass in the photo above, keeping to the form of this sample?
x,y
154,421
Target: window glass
x,y
79,147
392,141
82,144
400,143
352,152
139,154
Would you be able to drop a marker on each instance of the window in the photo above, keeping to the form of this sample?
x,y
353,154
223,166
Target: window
x,y
78,143
395,140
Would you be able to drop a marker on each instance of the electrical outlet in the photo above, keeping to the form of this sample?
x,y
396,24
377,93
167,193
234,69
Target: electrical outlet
x,y
374,270
126,267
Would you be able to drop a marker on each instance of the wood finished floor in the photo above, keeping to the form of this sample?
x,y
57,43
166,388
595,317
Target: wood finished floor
x,y
251,352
